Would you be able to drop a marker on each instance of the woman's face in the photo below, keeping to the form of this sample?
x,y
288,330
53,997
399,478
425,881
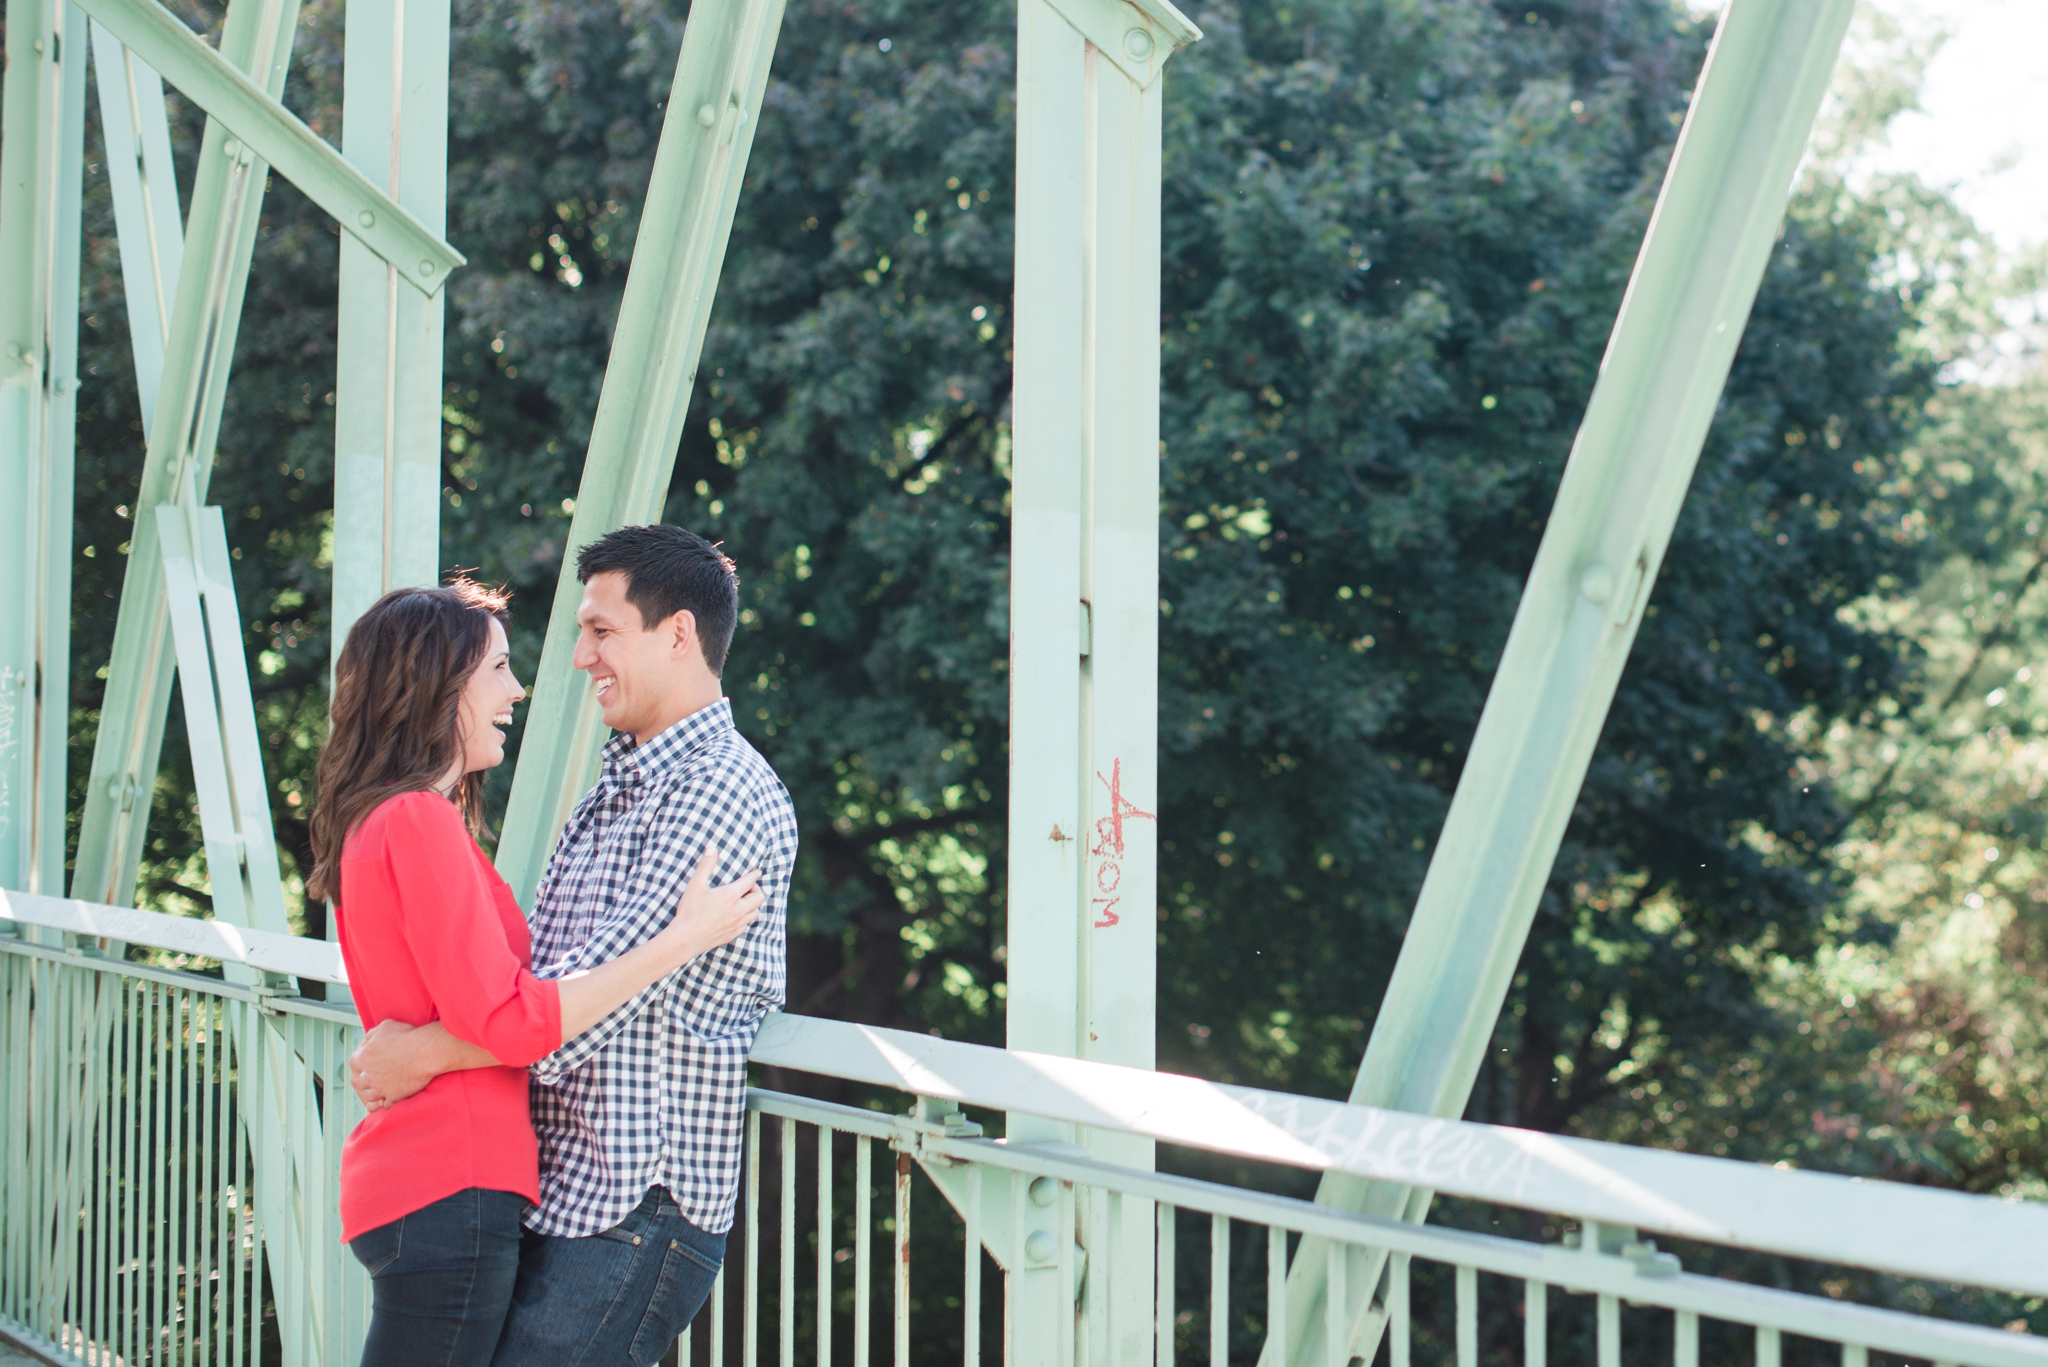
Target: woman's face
x,y
487,706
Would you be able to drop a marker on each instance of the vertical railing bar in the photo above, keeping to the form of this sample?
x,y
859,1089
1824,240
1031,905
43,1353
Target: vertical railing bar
x,y
23,1303
1063,1227
20,1101
1019,1186
1219,1290
900,1282
1855,1355
1608,1309
1536,1323
29,1296
181,1244
750,1303
863,1219
1276,1294
1468,1316
970,1274
39,1159
203,1121
92,1323
297,1080
1685,1339
237,1141
322,1243
145,1162
1337,1317
99,1333
1768,1346
785,1157
9,1065
1401,1332
134,1116
825,1133
183,1143
13,1180
62,1253
1162,1299
225,1352
164,1278
20,1256
57,1034
50,1042
714,1353
1101,1261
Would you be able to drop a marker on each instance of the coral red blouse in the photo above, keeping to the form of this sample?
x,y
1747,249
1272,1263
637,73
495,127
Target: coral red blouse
x,y
431,933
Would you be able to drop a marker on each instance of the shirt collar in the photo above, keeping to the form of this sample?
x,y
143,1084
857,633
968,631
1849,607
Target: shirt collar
x,y
627,765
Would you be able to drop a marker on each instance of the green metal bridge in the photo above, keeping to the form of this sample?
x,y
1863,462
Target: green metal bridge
x,y
167,1193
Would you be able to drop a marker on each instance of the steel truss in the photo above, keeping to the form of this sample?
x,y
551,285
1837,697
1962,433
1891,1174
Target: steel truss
x,y
1083,824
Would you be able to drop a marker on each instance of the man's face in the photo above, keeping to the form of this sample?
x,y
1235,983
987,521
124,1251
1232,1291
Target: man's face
x,y
635,669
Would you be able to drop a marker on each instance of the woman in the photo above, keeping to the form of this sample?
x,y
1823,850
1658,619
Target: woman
x,y
432,1189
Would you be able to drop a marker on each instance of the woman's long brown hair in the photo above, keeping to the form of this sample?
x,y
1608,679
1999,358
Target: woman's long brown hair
x,y
396,722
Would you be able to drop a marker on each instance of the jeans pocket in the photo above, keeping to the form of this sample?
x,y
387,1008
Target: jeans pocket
x,y
685,1280
703,1260
378,1248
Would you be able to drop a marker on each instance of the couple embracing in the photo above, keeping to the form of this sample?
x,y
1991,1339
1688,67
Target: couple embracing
x,y
549,1164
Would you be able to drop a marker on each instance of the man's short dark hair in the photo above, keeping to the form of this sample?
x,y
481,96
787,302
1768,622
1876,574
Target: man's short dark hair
x,y
670,570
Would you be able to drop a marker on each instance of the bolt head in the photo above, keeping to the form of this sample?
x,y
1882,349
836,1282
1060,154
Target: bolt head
x,y
426,268
1596,585
1043,1190
1039,1247
706,115
367,219
1138,44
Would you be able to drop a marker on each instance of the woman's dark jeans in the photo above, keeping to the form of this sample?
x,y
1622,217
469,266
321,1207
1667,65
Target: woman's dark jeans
x,y
441,1280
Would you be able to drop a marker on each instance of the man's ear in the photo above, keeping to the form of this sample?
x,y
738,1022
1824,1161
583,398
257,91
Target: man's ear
x,y
681,630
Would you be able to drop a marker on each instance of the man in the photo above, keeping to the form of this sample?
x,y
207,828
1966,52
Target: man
x,y
640,1118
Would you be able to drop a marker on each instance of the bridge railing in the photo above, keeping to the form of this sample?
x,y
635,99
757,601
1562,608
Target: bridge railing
x,y
168,1196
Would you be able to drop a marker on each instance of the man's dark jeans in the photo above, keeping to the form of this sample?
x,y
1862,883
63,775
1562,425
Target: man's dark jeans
x,y
619,1296
441,1280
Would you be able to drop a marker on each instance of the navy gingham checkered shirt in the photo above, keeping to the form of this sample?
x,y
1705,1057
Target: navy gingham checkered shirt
x,y
655,1094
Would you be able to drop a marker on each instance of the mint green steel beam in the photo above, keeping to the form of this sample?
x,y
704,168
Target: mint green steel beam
x,y
677,255
220,235
220,718
60,432
1695,280
1084,616
387,412
249,114
40,154
144,182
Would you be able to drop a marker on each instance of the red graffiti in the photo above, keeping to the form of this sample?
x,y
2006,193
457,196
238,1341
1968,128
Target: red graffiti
x,y
1109,843
1109,831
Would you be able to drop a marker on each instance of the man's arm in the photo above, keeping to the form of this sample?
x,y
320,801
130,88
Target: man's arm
x,y
696,816
704,919
395,1060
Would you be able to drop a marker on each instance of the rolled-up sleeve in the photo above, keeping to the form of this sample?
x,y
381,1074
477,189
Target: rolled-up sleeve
x,y
481,990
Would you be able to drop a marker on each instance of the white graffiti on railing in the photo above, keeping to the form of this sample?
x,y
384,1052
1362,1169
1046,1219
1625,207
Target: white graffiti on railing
x,y
1452,1156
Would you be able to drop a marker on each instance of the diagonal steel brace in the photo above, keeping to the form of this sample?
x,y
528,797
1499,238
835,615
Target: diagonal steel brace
x,y
264,127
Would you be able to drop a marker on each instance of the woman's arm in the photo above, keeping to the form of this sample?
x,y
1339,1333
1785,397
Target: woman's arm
x,y
396,1060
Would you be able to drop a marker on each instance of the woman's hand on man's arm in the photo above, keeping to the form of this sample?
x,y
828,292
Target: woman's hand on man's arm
x,y
396,1060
